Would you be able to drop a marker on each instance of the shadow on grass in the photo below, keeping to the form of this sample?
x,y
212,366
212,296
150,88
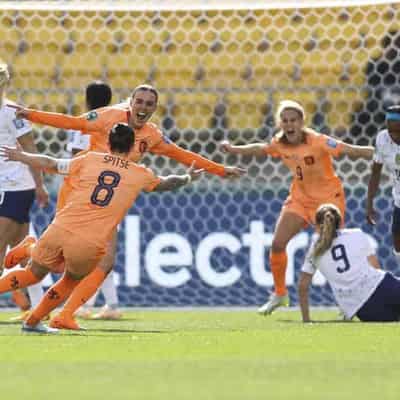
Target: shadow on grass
x,y
325,321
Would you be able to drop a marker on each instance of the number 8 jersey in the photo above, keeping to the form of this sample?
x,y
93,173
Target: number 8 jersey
x,y
346,268
104,188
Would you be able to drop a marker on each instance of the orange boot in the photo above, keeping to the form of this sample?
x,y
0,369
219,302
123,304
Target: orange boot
x,y
19,252
61,321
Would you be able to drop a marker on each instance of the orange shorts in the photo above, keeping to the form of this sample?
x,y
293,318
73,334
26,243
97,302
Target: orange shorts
x,y
58,247
307,209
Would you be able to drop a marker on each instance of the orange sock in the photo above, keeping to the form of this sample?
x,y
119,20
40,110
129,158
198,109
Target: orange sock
x,y
84,291
18,280
52,298
278,263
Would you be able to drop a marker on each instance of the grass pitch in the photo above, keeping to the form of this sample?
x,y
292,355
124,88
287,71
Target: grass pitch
x,y
203,355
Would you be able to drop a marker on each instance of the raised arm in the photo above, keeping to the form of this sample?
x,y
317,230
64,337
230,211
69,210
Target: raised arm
x,y
303,287
373,185
53,119
255,149
358,151
187,157
172,182
37,161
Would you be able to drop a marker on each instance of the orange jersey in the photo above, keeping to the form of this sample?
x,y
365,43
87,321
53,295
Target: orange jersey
x,y
104,187
149,138
314,177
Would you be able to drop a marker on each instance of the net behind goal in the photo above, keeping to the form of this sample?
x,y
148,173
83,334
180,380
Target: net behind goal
x,y
220,74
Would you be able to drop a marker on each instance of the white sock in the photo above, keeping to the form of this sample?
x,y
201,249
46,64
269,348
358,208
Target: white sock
x,y
35,293
110,291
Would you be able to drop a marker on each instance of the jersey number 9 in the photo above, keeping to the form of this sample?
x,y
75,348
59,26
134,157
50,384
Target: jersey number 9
x,y
106,189
339,254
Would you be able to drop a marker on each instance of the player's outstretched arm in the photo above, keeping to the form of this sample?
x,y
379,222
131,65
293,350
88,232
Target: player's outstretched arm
x,y
172,182
304,284
38,161
57,120
187,157
358,151
255,149
373,185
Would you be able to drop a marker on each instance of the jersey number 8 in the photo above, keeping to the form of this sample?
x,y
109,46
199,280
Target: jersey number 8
x,y
106,188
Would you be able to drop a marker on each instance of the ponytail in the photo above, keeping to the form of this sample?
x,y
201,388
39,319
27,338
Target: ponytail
x,y
328,218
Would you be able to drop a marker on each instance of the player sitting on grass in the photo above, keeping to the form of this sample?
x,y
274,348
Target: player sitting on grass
x,y
347,260
105,185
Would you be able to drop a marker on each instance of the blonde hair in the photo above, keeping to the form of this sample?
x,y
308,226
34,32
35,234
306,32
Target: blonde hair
x,y
4,74
329,219
288,105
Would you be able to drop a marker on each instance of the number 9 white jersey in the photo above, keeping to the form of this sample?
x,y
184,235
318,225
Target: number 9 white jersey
x,y
346,268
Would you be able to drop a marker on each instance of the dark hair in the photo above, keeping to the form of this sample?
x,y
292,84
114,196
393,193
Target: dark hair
x,y
329,219
145,88
121,138
98,94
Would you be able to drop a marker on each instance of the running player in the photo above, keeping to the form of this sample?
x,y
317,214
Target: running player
x,y
347,260
104,187
149,138
308,155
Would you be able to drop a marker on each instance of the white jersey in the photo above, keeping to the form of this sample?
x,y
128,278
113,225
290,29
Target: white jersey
x,y
14,176
387,153
346,268
78,141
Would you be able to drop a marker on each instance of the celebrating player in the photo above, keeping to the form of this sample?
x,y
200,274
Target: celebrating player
x,y
105,186
347,260
387,152
308,155
148,137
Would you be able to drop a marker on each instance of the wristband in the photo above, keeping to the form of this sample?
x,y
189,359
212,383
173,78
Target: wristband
x,y
189,179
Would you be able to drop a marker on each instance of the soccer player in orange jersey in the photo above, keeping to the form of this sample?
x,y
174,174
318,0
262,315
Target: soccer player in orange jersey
x,y
308,155
104,187
148,138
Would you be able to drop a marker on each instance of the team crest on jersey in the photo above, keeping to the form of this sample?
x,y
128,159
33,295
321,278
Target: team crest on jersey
x,y
92,116
397,159
309,160
331,143
143,146
18,123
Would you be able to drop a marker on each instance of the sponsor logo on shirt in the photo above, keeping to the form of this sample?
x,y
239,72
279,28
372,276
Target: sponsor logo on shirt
x,y
331,143
18,123
92,116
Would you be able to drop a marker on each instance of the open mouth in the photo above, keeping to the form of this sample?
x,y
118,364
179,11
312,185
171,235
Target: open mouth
x,y
141,116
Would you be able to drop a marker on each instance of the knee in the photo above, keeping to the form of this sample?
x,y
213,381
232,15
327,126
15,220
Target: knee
x,y
278,246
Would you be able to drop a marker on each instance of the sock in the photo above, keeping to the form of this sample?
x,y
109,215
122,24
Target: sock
x,y
52,298
84,291
17,280
110,291
92,300
35,294
278,263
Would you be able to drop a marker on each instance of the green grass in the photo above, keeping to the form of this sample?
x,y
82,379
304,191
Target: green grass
x,y
203,355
